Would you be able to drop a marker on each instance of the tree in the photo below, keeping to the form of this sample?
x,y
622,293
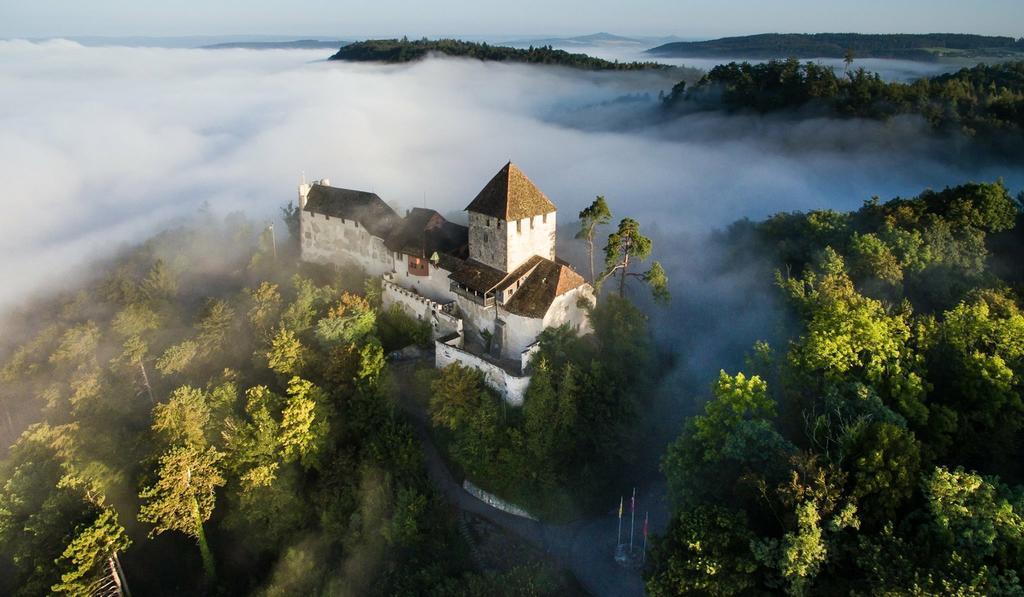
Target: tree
x,y
303,422
455,396
88,554
626,245
183,496
290,214
215,326
847,59
704,551
177,358
160,284
265,307
286,354
350,320
184,419
597,214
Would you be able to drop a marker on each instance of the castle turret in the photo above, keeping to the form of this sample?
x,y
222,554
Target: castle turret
x,y
510,220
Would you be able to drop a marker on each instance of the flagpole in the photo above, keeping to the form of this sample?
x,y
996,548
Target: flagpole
x,y
632,519
618,538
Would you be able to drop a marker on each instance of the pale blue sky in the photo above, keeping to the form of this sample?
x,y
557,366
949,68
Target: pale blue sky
x,y
688,18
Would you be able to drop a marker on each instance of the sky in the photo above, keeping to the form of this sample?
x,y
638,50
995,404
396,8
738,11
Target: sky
x,y
326,18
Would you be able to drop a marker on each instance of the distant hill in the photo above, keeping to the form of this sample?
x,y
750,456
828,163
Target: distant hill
x,y
926,47
602,39
594,39
299,44
396,51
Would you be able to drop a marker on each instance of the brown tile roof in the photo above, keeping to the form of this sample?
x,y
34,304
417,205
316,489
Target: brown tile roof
x,y
476,276
510,195
366,208
519,272
424,232
548,281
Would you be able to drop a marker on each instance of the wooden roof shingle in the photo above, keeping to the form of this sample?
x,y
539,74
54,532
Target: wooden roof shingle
x,y
511,196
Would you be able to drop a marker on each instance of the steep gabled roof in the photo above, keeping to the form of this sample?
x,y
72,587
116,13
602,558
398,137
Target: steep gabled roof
x,y
366,208
510,195
548,281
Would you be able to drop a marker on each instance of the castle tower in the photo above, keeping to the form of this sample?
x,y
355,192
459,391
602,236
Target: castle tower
x,y
510,220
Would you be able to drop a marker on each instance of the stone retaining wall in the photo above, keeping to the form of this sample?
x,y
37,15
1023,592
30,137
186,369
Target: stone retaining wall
x,y
495,501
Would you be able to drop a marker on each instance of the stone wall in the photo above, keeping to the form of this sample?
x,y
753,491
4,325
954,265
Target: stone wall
x,y
327,239
528,237
441,316
488,240
566,309
512,387
494,501
435,285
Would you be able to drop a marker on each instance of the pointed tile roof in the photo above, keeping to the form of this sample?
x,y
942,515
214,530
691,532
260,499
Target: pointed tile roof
x,y
511,196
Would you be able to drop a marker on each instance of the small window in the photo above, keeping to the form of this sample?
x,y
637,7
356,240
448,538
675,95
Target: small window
x,y
519,226
498,224
488,222
544,218
531,222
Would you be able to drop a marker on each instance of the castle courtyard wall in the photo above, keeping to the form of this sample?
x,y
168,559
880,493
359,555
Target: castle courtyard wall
x,y
511,387
334,240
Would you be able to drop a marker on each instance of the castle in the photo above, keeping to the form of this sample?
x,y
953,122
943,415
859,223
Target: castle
x,y
487,289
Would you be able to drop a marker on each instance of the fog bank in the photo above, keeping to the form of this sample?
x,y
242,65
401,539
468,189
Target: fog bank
x,y
103,145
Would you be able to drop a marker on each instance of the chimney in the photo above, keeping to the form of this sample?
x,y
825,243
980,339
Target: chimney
x,y
303,195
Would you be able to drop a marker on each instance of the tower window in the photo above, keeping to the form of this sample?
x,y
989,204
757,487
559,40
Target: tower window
x,y
488,222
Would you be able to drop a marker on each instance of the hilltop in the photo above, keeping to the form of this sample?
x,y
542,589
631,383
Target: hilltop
x,y
397,51
925,47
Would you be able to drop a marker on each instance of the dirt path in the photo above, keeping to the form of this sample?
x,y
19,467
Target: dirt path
x,y
585,546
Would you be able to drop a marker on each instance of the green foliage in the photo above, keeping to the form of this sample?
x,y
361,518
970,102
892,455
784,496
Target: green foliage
x,y
265,307
625,246
867,465
183,496
286,355
350,320
983,101
184,419
704,551
177,358
596,214
397,330
576,431
229,425
86,556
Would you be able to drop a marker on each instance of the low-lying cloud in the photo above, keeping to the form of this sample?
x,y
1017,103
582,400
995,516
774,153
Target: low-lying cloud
x,y
102,145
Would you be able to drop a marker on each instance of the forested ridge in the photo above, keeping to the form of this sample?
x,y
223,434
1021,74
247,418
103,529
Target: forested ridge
x,y
403,50
907,46
877,452
222,420
985,102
